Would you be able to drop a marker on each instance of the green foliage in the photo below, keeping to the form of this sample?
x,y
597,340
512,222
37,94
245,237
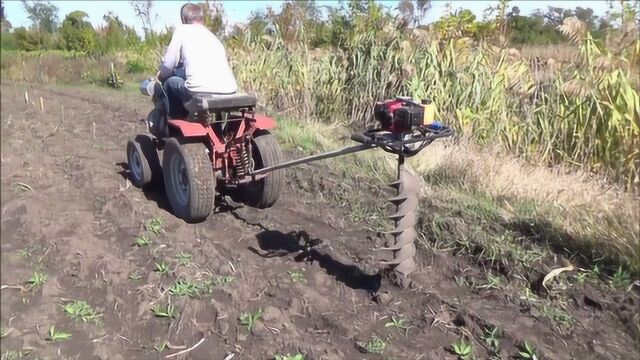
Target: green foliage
x,y
77,33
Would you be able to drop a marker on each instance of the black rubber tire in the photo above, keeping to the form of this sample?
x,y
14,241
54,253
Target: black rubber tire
x,y
265,192
196,202
148,169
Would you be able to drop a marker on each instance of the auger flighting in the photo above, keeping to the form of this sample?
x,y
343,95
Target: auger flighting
x,y
405,218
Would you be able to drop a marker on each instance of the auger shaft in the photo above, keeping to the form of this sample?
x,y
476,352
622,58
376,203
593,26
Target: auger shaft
x,y
405,218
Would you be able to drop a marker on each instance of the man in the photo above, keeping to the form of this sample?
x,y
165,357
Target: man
x,y
200,52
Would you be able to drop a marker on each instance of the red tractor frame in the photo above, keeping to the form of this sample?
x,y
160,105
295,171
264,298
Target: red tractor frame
x,y
218,146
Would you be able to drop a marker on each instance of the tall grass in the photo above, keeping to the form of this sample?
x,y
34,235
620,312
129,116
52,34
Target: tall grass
x,y
586,114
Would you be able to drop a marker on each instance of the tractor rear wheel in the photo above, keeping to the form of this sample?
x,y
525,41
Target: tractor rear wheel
x,y
265,192
189,180
142,160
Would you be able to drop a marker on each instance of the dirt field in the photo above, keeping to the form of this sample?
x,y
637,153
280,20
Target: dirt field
x,y
67,213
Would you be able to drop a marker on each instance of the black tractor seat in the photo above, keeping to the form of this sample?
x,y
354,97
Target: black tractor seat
x,y
219,102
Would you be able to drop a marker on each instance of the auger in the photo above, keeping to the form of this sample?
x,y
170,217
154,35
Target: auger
x,y
406,128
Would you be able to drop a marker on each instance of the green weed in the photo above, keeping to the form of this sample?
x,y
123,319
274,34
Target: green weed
x,y
189,288
462,349
166,311
81,310
142,240
375,345
297,276
184,258
528,352
37,279
249,319
155,226
297,356
57,335
162,268
491,337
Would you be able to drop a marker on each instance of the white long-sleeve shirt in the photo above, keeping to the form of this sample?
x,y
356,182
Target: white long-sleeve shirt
x,y
204,57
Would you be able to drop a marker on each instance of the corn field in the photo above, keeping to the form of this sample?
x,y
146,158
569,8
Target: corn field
x,y
584,114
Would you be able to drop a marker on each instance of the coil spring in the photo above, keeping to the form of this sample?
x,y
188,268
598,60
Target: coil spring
x,y
241,160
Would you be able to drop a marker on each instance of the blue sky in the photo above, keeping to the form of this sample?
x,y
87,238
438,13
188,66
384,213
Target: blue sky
x,y
240,10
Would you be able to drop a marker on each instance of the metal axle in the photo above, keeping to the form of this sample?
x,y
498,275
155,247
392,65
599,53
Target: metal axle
x,y
366,143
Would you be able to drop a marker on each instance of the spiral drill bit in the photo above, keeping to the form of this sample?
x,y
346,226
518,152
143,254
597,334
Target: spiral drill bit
x,y
404,234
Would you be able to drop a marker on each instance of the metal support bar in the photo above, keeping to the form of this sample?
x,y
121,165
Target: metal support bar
x,y
327,155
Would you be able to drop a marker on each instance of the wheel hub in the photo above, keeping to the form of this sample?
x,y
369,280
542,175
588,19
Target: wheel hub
x,y
180,179
136,165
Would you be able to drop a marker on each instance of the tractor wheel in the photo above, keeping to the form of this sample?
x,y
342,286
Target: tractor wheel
x,y
142,159
189,180
266,191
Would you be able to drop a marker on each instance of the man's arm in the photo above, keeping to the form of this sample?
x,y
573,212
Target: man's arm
x,y
171,57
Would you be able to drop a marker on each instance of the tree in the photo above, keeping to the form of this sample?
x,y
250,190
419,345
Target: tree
x,y
214,18
77,33
6,25
43,15
116,35
144,10
412,12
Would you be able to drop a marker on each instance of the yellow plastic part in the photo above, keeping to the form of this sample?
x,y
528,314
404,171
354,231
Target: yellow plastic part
x,y
429,114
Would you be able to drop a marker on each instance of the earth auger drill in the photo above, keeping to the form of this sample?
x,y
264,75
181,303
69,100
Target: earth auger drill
x,y
405,128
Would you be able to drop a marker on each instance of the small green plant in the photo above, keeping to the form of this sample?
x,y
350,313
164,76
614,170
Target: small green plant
x,y
223,280
160,347
620,279
375,345
183,258
297,276
57,335
249,319
581,277
155,226
37,279
14,355
491,337
26,252
400,324
135,276
4,332
297,356
189,288
528,352
80,310
142,240
493,282
162,267
167,311
462,349
556,314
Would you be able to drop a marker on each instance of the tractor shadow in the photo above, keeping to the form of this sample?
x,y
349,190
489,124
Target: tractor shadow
x,y
154,191
274,243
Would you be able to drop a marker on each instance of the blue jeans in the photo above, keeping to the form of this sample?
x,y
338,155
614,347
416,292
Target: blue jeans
x,y
176,95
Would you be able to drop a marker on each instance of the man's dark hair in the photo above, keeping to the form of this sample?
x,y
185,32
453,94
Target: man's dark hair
x,y
191,13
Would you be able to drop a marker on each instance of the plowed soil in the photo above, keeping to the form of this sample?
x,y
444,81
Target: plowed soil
x,y
68,211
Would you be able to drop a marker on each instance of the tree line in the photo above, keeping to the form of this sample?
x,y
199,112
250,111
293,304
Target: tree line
x,y
322,26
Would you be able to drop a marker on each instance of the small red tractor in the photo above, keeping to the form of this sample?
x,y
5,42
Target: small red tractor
x,y
218,146
225,145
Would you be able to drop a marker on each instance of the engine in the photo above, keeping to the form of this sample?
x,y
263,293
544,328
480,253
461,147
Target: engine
x,y
402,114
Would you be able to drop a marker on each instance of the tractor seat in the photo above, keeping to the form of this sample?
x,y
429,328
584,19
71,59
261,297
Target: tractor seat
x,y
218,102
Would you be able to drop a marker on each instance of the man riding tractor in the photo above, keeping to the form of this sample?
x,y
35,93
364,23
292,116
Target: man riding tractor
x,y
195,62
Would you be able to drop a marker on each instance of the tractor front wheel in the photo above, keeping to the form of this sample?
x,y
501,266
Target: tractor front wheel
x,y
265,192
189,180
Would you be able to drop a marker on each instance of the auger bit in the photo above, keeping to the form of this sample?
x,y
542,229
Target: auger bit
x,y
404,233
